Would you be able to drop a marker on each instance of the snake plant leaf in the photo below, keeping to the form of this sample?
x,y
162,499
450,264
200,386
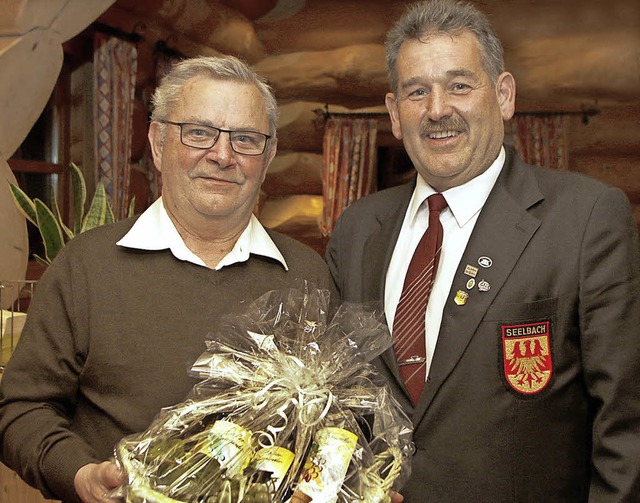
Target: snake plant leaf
x,y
43,262
109,217
56,211
24,203
79,188
49,230
132,207
98,213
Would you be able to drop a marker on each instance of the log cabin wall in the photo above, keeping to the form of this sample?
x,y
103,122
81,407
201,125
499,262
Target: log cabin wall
x,y
566,57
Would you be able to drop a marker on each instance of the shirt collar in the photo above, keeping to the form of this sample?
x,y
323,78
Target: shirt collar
x,y
154,231
465,200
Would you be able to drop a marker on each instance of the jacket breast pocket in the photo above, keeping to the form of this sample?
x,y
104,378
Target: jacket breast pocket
x,y
522,311
524,333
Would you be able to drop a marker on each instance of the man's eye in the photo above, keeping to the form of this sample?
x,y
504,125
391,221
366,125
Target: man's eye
x,y
202,133
245,139
417,94
460,87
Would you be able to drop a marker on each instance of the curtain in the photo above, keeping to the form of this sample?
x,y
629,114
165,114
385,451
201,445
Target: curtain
x,y
164,62
350,165
114,65
540,139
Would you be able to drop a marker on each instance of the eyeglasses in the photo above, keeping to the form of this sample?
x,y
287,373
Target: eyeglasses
x,y
204,137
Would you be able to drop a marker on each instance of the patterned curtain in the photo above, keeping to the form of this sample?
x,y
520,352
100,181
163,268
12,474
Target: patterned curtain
x,y
164,61
350,165
115,64
540,139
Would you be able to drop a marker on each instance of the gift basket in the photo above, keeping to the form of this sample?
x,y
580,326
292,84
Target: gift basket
x,y
288,409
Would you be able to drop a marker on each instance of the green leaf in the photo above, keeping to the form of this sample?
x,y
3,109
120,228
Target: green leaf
x,y
79,188
56,211
98,211
42,261
49,230
24,203
109,217
132,207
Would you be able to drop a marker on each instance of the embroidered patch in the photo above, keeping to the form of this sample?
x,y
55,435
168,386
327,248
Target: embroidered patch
x,y
527,356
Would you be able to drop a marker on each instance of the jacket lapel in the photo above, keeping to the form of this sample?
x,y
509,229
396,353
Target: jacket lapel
x,y
376,263
502,232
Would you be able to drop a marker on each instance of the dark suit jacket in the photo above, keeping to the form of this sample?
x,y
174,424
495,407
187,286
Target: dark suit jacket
x,y
495,423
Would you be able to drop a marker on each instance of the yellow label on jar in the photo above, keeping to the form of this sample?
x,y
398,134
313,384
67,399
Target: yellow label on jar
x,y
274,459
327,464
230,445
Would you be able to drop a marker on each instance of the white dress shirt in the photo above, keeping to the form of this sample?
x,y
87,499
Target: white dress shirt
x,y
154,230
458,219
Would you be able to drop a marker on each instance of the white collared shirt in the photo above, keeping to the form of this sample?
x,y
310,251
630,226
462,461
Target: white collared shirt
x,y
464,205
154,230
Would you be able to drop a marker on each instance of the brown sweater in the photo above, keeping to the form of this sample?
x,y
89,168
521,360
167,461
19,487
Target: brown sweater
x,y
109,338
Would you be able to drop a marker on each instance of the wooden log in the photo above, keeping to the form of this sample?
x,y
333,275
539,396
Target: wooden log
x,y
294,173
67,18
618,170
221,28
301,125
352,76
75,15
30,67
612,129
586,68
12,16
14,244
329,25
295,215
298,129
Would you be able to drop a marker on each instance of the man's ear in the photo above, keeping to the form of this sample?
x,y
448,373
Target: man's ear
x,y
506,90
156,141
271,153
392,107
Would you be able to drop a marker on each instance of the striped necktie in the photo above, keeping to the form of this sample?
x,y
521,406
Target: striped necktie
x,y
409,320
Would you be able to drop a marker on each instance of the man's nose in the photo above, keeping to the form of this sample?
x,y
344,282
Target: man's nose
x,y
438,105
222,151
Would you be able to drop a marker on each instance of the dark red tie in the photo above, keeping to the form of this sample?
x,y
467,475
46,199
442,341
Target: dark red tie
x,y
409,320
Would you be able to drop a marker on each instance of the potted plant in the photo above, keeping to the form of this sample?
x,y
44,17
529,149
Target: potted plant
x,y
55,234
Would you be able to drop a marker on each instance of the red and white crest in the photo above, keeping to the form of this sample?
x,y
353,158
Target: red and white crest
x,y
527,356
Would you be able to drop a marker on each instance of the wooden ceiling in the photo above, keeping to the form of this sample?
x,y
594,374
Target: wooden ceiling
x,y
567,54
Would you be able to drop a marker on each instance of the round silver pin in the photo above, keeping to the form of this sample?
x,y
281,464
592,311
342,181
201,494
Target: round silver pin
x,y
485,262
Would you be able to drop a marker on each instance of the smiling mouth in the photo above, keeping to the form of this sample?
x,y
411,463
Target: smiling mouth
x,y
215,179
442,135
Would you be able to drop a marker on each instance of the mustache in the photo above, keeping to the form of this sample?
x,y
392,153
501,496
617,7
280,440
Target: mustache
x,y
446,124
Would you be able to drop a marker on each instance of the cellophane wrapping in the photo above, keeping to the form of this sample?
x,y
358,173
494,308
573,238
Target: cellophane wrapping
x,y
288,408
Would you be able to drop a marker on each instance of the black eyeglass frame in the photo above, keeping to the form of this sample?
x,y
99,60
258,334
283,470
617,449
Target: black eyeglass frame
x,y
220,130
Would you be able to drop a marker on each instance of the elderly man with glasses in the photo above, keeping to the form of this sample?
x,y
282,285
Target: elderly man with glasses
x,y
124,310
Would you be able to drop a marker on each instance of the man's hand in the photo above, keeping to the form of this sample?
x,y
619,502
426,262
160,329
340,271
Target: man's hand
x,y
93,482
396,497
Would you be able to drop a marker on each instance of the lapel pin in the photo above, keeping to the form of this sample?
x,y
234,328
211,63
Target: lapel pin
x,y
470,270
485,262
484,286
471,283
461,298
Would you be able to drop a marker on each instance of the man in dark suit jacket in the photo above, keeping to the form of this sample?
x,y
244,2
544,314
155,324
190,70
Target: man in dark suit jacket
x,y
533,326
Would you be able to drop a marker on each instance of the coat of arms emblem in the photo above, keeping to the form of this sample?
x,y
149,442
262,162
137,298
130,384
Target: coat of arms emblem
x,y
527,356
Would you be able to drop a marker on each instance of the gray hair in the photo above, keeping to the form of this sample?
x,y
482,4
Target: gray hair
x,y
225,68
451,17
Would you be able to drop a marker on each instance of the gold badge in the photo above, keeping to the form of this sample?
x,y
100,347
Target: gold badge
x,y
461,297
